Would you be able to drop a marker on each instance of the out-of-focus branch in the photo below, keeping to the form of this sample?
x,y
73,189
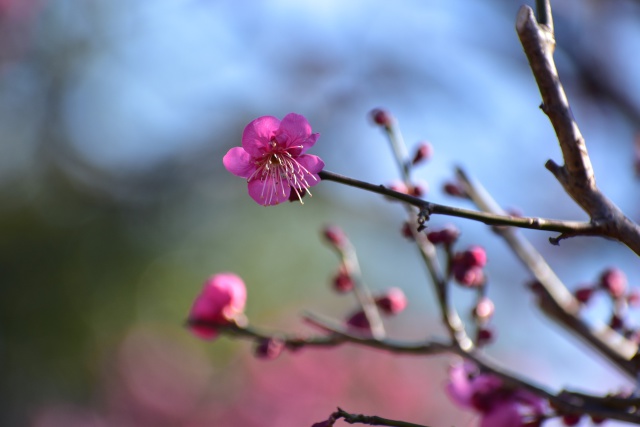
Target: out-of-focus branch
x,y
555,300
448,312
565,401
371,420
576,175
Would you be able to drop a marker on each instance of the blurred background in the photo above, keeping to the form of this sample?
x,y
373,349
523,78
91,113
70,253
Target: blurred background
x,y
115,206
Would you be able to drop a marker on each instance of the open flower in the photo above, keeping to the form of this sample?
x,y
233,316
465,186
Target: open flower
x,y
221,300
272,158
485,393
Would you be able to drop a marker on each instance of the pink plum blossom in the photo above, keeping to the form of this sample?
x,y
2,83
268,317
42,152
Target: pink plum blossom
x,y
485,393
273,160
221,300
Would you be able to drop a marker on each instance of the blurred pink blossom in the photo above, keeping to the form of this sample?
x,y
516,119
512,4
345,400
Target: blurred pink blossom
x,y
498,405
222,298
272,158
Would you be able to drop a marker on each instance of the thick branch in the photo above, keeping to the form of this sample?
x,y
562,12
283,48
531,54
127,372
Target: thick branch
x,y
576,175
555,300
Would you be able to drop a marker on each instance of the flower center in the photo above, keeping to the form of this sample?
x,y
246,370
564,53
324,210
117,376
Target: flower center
x,y
278,171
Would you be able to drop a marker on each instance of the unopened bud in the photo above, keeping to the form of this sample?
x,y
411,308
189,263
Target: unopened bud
x,y
468,276
454,189
381,117
359,321
418,190
571,419
584,294
475,256
423,153
269,348
392,302
335,236
484,336
407,230
342,282
484,309
614,282
446,236
616,323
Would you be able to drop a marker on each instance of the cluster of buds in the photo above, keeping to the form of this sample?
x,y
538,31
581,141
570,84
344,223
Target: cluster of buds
x,y
446,236
391,302
613,283
466,267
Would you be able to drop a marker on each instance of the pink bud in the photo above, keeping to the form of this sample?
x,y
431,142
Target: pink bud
x,y
392,302
584,294
423,153
381,117
270,348
571,419
447,235
484,309
335,236
475,256
454,189
407,231
222,298
468,276
399,187
359,321
418,190
616,322
343,282
485,336
614,281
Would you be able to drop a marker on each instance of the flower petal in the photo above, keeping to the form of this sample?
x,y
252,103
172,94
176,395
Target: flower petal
x,y
313,164
269,192
295,130
239,162
258,134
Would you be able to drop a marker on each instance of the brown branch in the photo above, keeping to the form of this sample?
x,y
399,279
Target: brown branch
x,y
371,420
428,208
576,175
555,300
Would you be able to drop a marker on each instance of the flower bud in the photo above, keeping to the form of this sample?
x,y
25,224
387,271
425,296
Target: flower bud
x,y
454,189
392,302
407,231
475,256
423,153
584,294
446,236
359,321
468,276
485,336
382,117
221,300
614,282
270,348
571,419
335,236
342,282
484,309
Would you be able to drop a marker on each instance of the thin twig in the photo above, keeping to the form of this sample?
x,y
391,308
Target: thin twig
x,y
429,208
449,314
371,420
